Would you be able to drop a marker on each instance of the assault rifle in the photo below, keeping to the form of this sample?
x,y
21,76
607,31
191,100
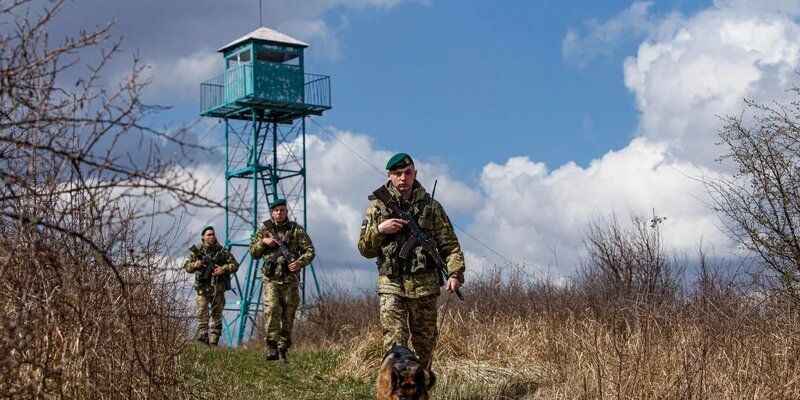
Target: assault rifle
x,y
417,237
208,264
282,249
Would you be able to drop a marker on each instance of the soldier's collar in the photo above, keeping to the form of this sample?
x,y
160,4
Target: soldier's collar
x,y
280,224
204,245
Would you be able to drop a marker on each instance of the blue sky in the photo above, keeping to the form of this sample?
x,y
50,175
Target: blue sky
x,y
536,117
472,82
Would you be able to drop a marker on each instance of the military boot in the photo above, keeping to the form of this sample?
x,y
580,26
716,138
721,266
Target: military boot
x,y
272,351
282,355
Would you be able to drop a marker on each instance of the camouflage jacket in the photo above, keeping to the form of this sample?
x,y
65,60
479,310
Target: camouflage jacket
x,y
416,276
221,257
275,267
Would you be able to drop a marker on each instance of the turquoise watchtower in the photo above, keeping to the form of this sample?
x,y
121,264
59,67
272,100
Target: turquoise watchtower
x,y
263,98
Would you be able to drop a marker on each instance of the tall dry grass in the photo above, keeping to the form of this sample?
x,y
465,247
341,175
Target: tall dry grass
x,y
628,325
515,338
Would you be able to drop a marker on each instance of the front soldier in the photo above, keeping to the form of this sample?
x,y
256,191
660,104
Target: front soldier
x,y
210,286
408,288
286,248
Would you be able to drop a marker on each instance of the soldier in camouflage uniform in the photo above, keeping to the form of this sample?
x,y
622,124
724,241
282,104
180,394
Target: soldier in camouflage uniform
x,y
408,288
211,294
280,275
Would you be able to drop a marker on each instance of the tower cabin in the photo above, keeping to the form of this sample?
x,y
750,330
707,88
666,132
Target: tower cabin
x,y
263,78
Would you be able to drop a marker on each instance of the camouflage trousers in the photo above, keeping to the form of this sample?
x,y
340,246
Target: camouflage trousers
x,y
403,318
213,301
280,304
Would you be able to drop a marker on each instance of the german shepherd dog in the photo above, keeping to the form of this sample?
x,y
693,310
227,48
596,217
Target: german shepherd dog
x,y
402,377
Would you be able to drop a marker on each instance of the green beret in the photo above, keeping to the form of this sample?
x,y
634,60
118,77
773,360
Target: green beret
x,y
208,228
399,160
277,202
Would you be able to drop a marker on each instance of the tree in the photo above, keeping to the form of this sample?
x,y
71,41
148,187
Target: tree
x,y
88,306
760,201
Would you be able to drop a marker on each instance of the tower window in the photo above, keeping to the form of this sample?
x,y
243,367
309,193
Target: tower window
x,y
238,59
265,55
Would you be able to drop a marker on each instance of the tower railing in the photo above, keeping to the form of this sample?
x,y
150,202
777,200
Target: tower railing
x,y
236,87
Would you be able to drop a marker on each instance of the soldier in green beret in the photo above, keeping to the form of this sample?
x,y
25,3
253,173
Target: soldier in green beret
x,y
408,288
210,293
280,275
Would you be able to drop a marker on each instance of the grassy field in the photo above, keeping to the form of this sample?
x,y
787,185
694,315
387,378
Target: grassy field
x,y
242,373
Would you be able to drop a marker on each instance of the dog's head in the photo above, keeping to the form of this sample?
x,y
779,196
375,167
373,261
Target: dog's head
x,y
401,376
411,383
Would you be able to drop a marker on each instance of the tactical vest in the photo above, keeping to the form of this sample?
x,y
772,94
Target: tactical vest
x,y
389,262
224,280
279,268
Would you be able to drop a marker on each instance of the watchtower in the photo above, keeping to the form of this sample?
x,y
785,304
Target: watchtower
x,y
263,98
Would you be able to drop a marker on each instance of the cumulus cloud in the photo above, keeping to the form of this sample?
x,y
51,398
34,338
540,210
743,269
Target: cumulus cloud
x,y
603,37
687,73
538,216
789,7
704,69
179,78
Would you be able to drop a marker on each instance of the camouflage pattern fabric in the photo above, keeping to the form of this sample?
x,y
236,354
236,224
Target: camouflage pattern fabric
x,y
415,277
211,295
217,303
221,257
408,288
294,237
281,286
403,318
280,304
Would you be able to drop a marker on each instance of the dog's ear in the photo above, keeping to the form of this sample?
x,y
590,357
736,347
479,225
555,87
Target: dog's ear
x,y
395,377
426,377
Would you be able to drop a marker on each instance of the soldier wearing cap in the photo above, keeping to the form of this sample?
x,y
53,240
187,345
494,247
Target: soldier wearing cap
x,y
408,288
280,275
211,293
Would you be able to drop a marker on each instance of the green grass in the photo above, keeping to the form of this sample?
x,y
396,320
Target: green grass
x,y
242,373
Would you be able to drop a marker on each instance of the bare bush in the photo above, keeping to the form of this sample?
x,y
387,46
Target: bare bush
x,y
628,266
760,203
491,348
88,304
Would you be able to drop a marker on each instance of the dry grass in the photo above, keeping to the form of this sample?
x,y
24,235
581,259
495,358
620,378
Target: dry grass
x,y
533,340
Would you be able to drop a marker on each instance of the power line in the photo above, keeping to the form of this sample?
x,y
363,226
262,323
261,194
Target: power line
x,y
333,136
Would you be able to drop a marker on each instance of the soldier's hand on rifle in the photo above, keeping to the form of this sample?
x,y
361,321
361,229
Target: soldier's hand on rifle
x,y
198,264
391,225
453,284
270,242
218,270
294,266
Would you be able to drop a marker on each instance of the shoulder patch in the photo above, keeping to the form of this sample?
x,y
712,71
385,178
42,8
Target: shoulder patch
x,y
364,224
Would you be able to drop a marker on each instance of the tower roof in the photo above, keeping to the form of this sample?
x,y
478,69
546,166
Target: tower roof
x,y
266,34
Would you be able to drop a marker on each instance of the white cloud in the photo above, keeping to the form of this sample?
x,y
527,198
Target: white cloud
x,y
789,7
704,69
179,78
604,37
540,216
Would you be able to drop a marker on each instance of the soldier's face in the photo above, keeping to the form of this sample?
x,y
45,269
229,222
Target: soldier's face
x,y
403,179
279,213
209,237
